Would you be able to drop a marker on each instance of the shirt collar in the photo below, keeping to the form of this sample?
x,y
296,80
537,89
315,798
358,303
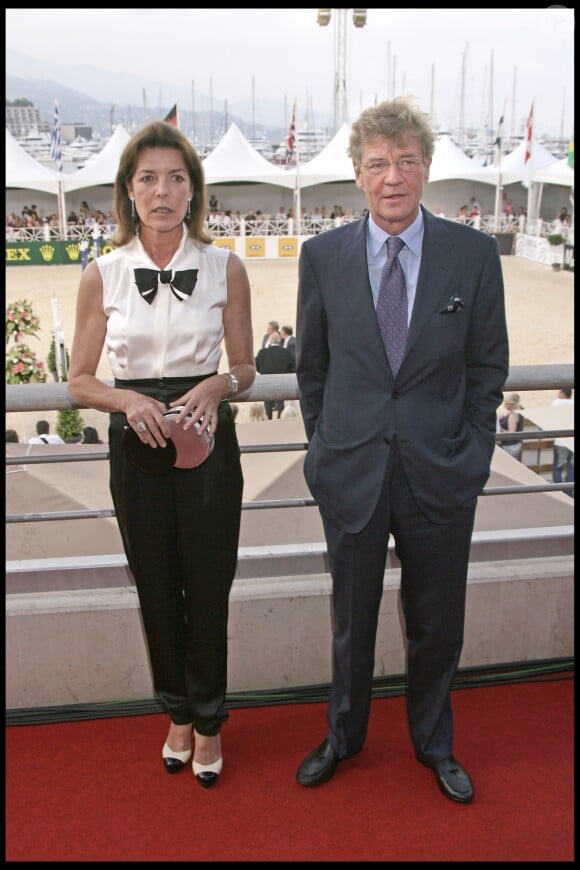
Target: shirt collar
x,y
412,235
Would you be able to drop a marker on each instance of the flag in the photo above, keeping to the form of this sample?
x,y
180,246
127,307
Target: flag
x,y
171,116
291,141
571,155
55,143
529,134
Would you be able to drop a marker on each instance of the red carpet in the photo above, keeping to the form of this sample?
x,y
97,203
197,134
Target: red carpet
x,y
96,790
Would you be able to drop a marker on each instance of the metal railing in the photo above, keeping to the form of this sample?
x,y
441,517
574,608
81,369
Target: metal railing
x,y
55,397
274,226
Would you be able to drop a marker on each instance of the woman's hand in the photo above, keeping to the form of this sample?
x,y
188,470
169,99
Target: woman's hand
x,y
145,416
202,403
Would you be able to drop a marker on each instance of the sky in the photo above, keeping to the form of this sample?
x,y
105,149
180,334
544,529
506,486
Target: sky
x,y
467,67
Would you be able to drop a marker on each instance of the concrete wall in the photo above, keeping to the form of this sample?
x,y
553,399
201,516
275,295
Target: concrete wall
x,y
75,646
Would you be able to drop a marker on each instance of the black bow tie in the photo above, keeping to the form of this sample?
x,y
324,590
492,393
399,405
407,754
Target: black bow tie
x,y
181,283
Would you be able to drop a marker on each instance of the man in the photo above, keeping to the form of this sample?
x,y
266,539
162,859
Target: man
x,y
563,464
288,339
275,360
398,447
272,327
44,436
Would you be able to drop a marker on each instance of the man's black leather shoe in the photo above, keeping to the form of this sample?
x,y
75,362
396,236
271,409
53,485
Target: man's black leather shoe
x,y
453,780
319,766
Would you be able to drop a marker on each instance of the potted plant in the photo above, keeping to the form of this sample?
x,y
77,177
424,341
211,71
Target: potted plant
x,y
556,240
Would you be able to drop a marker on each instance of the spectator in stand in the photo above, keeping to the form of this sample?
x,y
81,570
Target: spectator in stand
x,y
272,327
12,436
512,421
462,214
250,220
275,360
110,223
288,339
337,215
474,208
90,436
316,220
213,220
564,217
563,464
43,435
561,224
508,208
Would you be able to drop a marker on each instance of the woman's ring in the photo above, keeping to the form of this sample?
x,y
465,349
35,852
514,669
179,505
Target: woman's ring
x,y
141,426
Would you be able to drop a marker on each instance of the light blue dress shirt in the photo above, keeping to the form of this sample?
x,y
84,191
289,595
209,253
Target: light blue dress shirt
x,y
410,257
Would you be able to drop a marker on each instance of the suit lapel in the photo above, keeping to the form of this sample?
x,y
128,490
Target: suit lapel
x,y
360,308
433,280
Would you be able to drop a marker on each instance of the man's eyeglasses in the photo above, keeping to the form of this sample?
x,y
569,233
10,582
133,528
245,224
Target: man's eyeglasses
x,y
406,165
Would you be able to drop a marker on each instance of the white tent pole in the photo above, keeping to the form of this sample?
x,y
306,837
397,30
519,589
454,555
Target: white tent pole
x,y
498,194
62,208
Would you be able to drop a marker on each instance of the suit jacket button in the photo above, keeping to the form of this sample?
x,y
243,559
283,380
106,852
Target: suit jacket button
x,y
396,394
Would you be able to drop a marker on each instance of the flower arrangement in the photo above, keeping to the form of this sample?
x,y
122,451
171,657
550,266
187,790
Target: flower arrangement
x,y
20,321
22,367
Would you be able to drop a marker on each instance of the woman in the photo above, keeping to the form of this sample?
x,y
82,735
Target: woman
x,y
90,436
163,337
511,421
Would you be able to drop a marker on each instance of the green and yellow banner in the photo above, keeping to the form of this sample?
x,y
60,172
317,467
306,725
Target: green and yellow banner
x,y
51,253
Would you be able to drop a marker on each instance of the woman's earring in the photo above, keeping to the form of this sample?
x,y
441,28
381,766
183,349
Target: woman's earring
x,y
188,212
133,212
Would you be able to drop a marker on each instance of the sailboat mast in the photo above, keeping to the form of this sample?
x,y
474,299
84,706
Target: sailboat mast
x,y
514,129
432,104
462,101
491,115
253,111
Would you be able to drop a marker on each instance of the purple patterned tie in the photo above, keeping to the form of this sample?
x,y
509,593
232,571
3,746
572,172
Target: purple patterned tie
x,y
392,304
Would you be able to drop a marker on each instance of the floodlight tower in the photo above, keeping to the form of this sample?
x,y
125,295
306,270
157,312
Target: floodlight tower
x,y
359,18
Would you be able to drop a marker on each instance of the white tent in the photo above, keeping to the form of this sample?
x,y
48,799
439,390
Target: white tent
x,y
234,160
557,172
102,168
450,163
23,171
513,166
331,164
334,164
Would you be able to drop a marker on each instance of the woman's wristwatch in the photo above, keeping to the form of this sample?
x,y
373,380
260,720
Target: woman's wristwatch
x,y
234,386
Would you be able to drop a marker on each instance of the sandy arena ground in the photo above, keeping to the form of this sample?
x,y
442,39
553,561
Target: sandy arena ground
x,y
539,302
